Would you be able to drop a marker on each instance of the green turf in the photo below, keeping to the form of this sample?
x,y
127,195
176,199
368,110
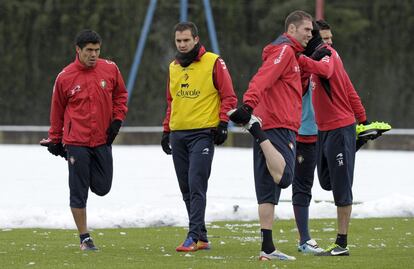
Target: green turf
x,y
374,243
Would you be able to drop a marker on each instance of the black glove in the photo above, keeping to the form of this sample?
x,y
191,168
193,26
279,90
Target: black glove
x,y
113,131
56,149
315,42
320,53
165,143
360,142
242,115
220,134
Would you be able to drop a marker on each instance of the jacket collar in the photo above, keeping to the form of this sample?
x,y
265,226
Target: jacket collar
x,y
79,65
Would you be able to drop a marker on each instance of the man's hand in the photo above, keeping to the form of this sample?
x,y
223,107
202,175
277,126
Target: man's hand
x,y
220,134
241,115
360,142
56,149
113,131
320,53
315,42
165,143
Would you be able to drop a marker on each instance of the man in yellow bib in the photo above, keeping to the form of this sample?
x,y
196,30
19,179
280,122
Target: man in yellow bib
x,y
199,94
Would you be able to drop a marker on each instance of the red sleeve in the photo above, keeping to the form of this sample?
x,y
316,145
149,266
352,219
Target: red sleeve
x,y
224,85
166,122
323,68
270,71
119,98
57,112
355,101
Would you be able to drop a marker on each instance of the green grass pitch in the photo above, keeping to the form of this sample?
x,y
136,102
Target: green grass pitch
x,y
374,243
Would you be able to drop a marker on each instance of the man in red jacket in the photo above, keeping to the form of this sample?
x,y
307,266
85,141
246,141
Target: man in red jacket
x,y
275,95
89,103
306,157
336,105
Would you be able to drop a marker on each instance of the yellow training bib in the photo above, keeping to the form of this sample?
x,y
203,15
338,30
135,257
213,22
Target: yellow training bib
x,y
195,100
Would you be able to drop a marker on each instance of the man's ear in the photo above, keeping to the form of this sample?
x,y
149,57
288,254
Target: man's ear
x,y
291,28
196,39
78,49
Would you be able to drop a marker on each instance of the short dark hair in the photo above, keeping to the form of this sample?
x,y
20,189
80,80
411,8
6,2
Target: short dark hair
x,y
87,36
323,25
296,18
186,25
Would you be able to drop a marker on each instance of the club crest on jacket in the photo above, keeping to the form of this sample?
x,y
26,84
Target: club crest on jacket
x,y
103,84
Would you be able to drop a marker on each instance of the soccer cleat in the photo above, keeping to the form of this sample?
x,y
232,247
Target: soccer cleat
x,y
275,255
334,250
187,246
203,245
87,244
310,246
372,130
253,120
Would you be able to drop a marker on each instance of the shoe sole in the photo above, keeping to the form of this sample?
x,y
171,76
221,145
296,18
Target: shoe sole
x,y
309,252
372,132
329,254
264,258
186,250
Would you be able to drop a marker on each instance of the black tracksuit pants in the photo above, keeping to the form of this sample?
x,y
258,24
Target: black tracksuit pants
x,y
192,153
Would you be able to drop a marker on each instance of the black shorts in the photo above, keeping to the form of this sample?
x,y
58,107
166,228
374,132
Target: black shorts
x,y
284,140
336,161
89,168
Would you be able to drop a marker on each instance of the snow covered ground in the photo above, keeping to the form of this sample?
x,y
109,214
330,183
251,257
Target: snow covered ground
x,y
34,189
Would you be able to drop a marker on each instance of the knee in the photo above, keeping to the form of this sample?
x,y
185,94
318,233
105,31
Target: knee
x,y
301,199
101,191
326,186
186,196
286,180
77,202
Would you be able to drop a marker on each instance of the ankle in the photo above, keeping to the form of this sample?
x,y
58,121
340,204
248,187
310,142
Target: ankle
x,y
84,236
267,241
342,240
257,132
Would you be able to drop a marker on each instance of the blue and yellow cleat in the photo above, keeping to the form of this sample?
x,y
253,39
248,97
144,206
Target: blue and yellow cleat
x,y
187,246
203,245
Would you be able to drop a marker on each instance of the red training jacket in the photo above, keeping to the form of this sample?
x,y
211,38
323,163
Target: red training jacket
x,y
85,101
275,91
222,82
342,105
